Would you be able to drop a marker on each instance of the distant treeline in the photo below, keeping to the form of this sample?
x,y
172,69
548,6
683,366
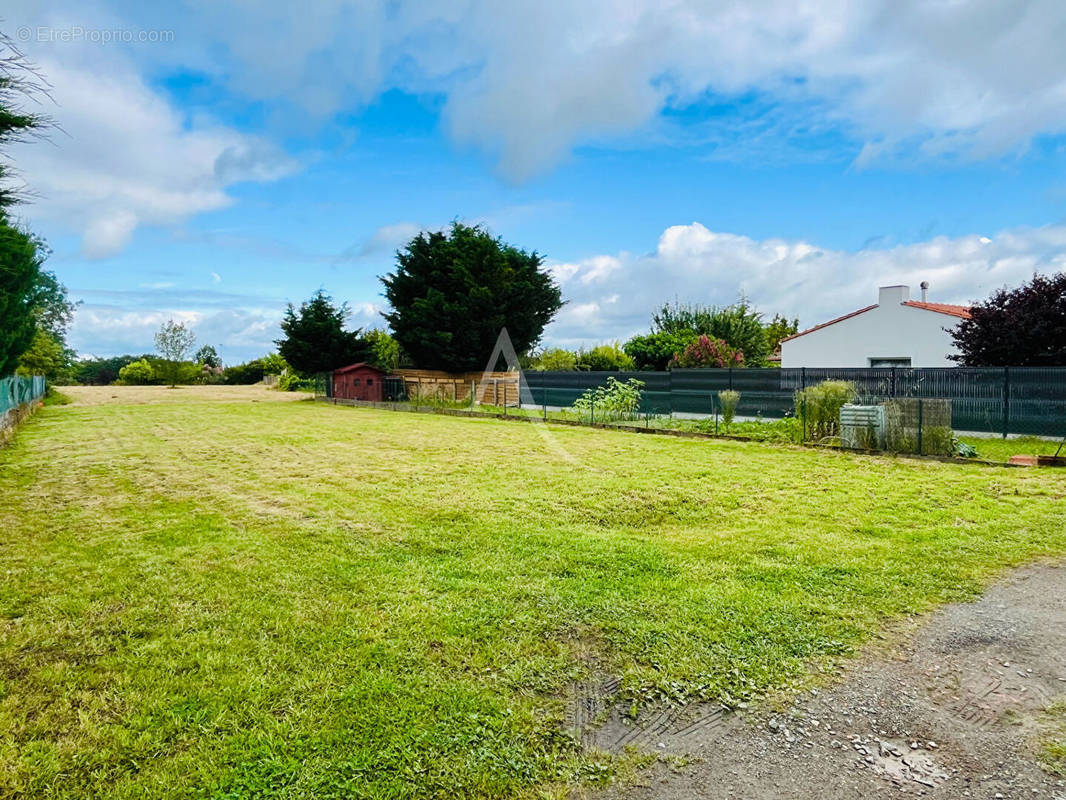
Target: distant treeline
x,y
105,371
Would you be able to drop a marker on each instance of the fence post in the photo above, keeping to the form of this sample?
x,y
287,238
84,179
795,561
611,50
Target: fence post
x,y
670,391
472,392
544,400
803,377
920,449
592,412
730,379
1006,401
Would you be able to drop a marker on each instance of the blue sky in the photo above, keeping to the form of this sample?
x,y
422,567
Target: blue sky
x,y
216,161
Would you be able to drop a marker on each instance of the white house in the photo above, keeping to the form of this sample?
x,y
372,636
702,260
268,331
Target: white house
x,y
896,332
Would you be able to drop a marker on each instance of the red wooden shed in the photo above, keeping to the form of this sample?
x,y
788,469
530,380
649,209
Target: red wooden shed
x,y
358,382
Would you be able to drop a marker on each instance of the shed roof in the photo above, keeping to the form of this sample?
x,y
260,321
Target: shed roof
x,y
359,365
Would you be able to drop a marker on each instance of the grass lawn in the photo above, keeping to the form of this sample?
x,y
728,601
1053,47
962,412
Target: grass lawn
x,y
997,449
225,598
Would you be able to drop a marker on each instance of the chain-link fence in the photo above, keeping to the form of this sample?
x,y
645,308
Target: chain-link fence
x,y
16,391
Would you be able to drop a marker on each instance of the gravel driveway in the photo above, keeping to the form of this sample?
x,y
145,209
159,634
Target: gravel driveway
x,y
950,711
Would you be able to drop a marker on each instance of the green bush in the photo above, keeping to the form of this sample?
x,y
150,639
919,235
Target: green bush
x,y
605,358
181,372
613,401
554,359
136,373
294,383
729,399
819,407
654,351
253,371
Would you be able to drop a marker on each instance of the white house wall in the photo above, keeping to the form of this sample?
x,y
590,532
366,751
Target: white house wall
x,y
887,331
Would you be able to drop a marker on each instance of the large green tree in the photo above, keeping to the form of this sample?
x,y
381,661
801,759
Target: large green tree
x,y
315,339
453,291
34,310
20,275
46,356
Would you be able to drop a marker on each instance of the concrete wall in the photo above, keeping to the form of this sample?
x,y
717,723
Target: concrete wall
x,y
890,330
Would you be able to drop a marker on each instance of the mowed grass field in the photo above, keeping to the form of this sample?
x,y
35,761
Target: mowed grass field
x,y
226,598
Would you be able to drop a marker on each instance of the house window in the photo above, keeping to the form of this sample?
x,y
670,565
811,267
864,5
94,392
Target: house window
x,y
890,362
355,381
369,381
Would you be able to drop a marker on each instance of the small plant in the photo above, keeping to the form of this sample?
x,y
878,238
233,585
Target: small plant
x,y
938,440
729,399
613,401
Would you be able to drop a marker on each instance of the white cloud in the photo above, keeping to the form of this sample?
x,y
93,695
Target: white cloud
x,y
385,239
526,80
694,264
240,334
123,157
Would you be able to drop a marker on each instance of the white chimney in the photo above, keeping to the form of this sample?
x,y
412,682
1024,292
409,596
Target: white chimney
x,y
893,295
925,291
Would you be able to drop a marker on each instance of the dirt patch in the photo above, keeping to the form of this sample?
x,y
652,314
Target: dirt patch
x,y
951,712
140,395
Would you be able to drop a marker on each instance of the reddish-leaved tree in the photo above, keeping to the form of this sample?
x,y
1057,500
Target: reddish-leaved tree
x,y
708,352
1023,327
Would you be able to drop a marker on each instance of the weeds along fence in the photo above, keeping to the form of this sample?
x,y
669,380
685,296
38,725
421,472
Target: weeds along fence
x,y
1000,400
17,396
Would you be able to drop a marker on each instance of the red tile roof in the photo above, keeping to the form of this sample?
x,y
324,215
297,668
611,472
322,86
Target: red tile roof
x,y
941,308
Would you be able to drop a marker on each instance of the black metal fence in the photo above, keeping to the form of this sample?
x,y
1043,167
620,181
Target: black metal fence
x,y
1004,400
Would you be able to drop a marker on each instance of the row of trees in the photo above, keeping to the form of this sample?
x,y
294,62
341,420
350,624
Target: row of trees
x,y
682,335
450,295
453,291
34,309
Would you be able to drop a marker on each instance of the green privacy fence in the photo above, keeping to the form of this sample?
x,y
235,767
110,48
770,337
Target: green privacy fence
x,y
15,391
1004,400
